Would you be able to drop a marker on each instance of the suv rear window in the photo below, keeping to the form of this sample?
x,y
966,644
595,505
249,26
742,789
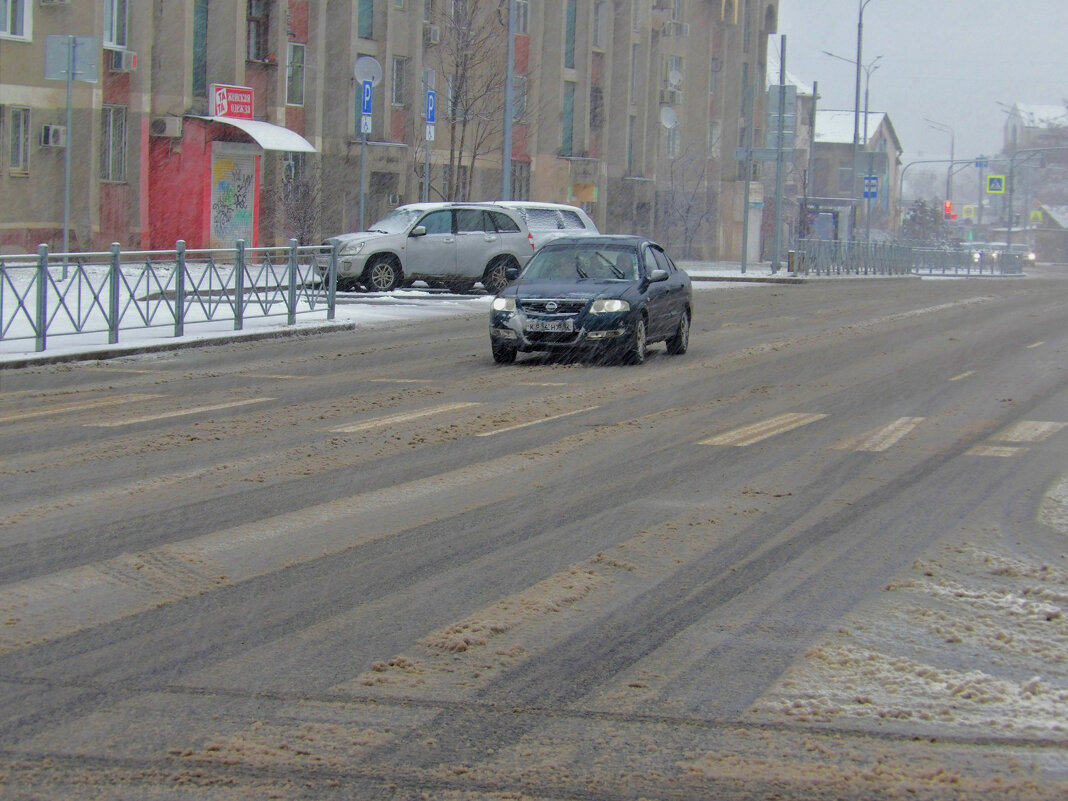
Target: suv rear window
x,y
543,219
572,220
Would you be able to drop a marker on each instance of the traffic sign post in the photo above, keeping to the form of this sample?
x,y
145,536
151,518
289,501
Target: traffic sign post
x,y
431,116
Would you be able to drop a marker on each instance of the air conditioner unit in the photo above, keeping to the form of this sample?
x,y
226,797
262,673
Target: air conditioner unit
x,y
169,126
675,29
395,200
670,97
53,136
55,2
431,34
123,61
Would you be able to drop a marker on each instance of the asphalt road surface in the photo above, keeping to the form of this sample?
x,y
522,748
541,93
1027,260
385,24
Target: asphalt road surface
x,y
819,556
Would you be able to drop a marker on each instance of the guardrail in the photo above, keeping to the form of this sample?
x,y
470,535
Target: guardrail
x,y
831,257
58,294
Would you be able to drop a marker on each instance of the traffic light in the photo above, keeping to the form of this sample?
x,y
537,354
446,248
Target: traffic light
x,y
947,211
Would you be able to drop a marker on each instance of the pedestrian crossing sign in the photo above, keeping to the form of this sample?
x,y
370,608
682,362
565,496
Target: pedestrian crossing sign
x,y
995,184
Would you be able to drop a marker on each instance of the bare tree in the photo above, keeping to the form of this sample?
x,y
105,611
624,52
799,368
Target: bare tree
x,y
471,56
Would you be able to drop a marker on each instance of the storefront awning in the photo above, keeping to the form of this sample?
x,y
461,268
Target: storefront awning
x,y
268,135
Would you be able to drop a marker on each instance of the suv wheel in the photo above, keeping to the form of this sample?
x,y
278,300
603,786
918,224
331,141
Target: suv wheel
x,y
495,278
503,354
381,275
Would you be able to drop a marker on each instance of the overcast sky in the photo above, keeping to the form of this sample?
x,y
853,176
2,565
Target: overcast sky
x,y
947,60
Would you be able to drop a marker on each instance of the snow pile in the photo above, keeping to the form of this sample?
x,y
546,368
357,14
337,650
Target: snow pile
x,y
974,641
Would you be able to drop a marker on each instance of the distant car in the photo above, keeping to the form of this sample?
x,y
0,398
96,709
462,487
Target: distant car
x,y
453,245
549,221
594,295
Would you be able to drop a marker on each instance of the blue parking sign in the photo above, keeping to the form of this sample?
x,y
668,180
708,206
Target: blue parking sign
x,y
431,105
368,94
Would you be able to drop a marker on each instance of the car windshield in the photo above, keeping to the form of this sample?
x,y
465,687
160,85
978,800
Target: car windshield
x,y
571,262
396,222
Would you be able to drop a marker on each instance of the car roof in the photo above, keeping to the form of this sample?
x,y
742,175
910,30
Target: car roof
x,y
603,239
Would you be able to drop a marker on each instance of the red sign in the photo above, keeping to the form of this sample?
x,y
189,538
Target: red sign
x,y
231,101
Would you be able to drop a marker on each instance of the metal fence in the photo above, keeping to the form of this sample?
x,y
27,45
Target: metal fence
x,y
829,257
60,294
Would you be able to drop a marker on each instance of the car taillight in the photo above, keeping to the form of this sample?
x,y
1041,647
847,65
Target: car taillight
x,y
530,237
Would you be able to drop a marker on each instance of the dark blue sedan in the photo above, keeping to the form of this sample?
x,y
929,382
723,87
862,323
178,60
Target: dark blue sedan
x,y
594,295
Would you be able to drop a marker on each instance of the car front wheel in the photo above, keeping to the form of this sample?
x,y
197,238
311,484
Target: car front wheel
x,y
503,354
638,344
680,341
382,275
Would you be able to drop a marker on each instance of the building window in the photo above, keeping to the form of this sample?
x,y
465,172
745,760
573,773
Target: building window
x,y
400,80
15,19
522,16
570,14
400,4
634,73
113,143
520,180
200,48
632,124
114,23
428,10
673,141
20,140
259,13
568,122
598,24
519,98
295,74
365,16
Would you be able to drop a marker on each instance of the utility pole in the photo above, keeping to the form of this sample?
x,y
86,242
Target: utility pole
x,y
509,107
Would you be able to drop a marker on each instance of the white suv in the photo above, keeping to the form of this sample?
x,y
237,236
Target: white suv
x,y
549,221
448,244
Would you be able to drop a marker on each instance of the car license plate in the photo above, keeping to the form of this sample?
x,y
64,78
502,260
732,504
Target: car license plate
x,y
551,326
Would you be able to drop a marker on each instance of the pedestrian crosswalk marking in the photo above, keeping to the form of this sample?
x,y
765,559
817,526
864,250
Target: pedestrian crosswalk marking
x,y
881,438
751,434
996,450
1028,431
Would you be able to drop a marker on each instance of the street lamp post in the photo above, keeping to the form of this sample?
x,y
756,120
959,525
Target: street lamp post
x,y
868,70
862,4
941,126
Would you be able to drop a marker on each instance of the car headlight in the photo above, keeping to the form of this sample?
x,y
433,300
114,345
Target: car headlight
x,y
504,304
352,250
609,305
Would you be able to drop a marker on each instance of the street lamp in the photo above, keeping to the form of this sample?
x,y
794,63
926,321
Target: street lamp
x,y
941,126
862,4
868,70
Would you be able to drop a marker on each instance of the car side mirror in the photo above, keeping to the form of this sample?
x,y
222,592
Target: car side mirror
x,y
658,275
511,273
419,230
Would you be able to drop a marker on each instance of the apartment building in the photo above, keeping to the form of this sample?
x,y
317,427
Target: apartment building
x,y
212,120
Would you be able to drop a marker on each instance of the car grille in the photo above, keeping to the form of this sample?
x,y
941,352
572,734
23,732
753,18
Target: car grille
x,y
539,305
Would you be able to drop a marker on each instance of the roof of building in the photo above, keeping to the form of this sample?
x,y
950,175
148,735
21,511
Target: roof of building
x,y
791,79
1058,213
836,127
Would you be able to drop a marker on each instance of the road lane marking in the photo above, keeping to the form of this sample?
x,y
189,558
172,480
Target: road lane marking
x,y
995,450
751,434
400,380
880,439
1036,344
80,406
962,376
403,417
535,422
1028,431
176,413
49,606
